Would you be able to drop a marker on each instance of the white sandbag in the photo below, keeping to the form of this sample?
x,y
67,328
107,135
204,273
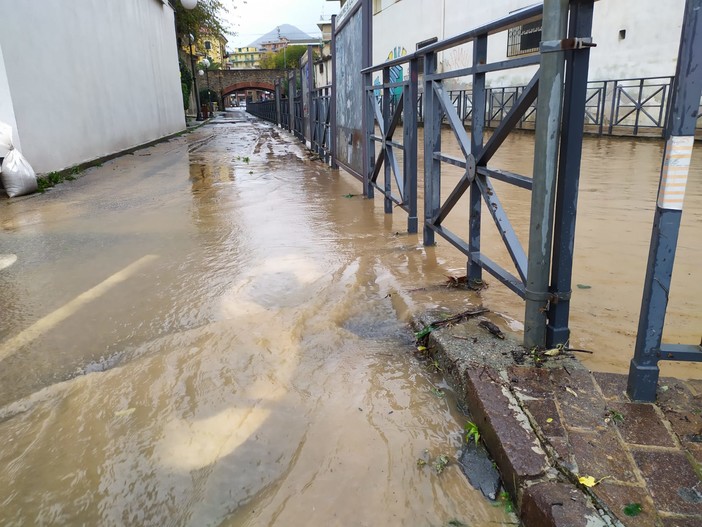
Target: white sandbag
x,y
16,174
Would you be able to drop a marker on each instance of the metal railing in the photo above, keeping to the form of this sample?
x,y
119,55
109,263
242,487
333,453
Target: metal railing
x,y
385,110
320,114
285,113
264,110
298,122
630,107
505,109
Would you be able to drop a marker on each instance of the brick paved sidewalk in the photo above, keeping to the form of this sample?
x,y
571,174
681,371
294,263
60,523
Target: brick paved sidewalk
x,y
642,454
548,424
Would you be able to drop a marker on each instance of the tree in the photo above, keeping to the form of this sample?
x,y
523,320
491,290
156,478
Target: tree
x,y
204,18
282,59
186,80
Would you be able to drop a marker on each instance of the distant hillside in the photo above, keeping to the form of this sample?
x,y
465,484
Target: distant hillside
x,y
288,31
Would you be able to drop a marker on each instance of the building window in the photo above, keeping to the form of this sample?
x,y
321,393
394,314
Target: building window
x,y
208,44
524,39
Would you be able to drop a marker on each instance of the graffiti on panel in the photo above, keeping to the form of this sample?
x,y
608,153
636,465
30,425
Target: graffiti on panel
x,y
397,73
349,94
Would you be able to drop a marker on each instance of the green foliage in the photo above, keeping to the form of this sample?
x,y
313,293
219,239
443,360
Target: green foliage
x,y
54,178
440,463
506,501
423,332
207,95
213,66
282,59
472,432
205,18
633,509
614,416
439,393
186,81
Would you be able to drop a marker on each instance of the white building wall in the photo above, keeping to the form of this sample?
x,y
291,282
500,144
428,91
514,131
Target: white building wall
x,y
88,78
649,48
7,113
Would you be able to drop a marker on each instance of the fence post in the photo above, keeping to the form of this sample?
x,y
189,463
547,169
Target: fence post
x,y
432,143
547,135
569,174
307,128
367,118
615,104
332,101
602,107
409,118
475,272
292,95
680,137
386,109
278,116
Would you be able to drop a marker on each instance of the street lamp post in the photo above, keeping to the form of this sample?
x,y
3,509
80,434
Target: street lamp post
x,y
206,64
189,5
201,73
192,68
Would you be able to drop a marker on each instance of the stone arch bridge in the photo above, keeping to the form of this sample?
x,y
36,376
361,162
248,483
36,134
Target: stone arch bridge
x,y
227,82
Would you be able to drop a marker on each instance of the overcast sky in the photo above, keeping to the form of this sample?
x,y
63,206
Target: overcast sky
x,y
254,18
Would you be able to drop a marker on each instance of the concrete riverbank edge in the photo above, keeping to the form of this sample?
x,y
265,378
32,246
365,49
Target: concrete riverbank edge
x,y
547,422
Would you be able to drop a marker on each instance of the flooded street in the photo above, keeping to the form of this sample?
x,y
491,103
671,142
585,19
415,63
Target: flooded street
x,y
212,331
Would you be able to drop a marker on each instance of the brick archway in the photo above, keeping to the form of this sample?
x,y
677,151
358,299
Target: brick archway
x,y
247,86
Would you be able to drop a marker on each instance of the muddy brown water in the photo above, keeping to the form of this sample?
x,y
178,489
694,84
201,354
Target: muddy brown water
x,y
208,332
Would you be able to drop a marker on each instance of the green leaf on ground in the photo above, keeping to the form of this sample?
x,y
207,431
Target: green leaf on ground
x,y
584,286
472,432
440,463
633,509
423,332
439,393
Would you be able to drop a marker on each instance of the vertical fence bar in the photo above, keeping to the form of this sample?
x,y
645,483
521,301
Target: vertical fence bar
x,y
638,107
603,106
580,25
307,128
278,116
668,104
332,101
547,135
409,129
680,136
386,108
432,143
292,95
475,272
615,106
367,119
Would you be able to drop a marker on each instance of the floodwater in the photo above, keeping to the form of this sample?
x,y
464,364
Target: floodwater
x,y
213,331
616,203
